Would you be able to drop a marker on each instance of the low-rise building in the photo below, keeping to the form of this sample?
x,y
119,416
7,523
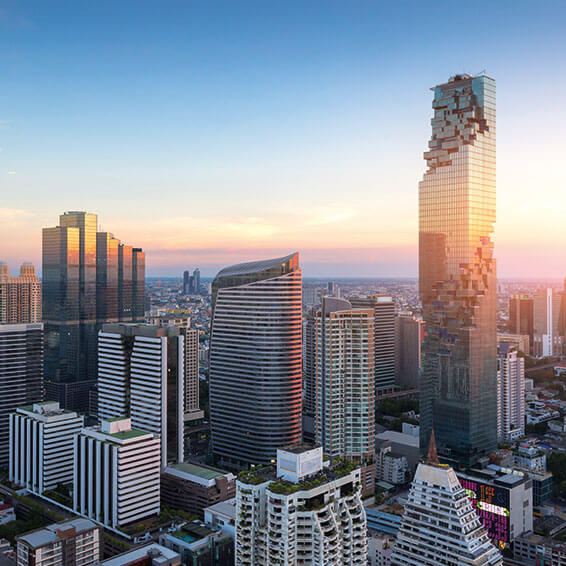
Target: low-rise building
x,y
116,479
528,456
151,555
502,500
301,511
404,444
73,542
222,516
192,487
41,445
7,513
200,545
535,550
390,466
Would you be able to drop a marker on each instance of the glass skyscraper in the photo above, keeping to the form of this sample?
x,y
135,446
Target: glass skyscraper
x,y
255,360
457,274
89,278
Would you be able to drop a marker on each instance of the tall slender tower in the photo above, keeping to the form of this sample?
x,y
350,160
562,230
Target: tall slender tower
x,y
345,404
255,360
457,276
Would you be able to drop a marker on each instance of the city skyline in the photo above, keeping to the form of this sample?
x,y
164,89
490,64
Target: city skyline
x,y
316,148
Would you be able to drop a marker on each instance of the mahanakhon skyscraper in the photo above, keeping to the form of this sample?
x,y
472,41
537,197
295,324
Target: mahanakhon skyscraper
x,y
457,275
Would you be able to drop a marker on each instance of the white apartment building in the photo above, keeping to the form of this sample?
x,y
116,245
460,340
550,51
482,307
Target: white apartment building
x,y
72,542
380,549
304,514
510,394
141,376
390,466
117,473
41,445
345,385
440,525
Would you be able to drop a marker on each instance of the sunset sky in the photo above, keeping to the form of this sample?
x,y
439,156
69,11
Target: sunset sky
x,y
211,133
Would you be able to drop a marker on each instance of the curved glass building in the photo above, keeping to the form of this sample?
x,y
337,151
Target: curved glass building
x,y
256,360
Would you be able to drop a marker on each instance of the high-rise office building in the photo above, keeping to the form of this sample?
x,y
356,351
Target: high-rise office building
x,y
521,316
255,360
141,376
20,295
547,335
408,338
301,513
191,335
440,524
116,473
41,446
345,412
457,274
384,336
510,394
21,374
89,278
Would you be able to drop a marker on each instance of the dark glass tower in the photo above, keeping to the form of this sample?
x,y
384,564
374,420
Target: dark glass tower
x,y
457,275
255,360
89,278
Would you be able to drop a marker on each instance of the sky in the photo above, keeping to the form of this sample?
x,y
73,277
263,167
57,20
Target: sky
x,y
211,133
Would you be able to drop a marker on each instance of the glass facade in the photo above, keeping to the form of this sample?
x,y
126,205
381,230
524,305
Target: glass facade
x,y
88,279
457,272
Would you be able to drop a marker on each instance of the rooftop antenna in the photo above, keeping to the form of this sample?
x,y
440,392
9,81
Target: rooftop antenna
x,y
432,456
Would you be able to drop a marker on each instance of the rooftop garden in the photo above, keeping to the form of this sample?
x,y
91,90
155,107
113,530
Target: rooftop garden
x,y
252,477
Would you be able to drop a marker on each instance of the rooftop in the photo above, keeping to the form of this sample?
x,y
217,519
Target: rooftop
x,y
52,533
204,472
256,266
226,508
160,555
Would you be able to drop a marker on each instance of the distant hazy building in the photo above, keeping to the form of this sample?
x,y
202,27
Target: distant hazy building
x,y
41,446
21,373
457,272
116,473
255,360
89,278
141,376
409,332
440,525
75,542
521,316
186,289
547,339
284,521
383,307
345,388
20,295
510,394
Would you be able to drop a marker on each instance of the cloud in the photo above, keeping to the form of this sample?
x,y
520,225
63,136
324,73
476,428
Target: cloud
x,y
15,214
11,172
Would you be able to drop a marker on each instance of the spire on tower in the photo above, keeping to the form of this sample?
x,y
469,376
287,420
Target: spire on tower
x,y
432,456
